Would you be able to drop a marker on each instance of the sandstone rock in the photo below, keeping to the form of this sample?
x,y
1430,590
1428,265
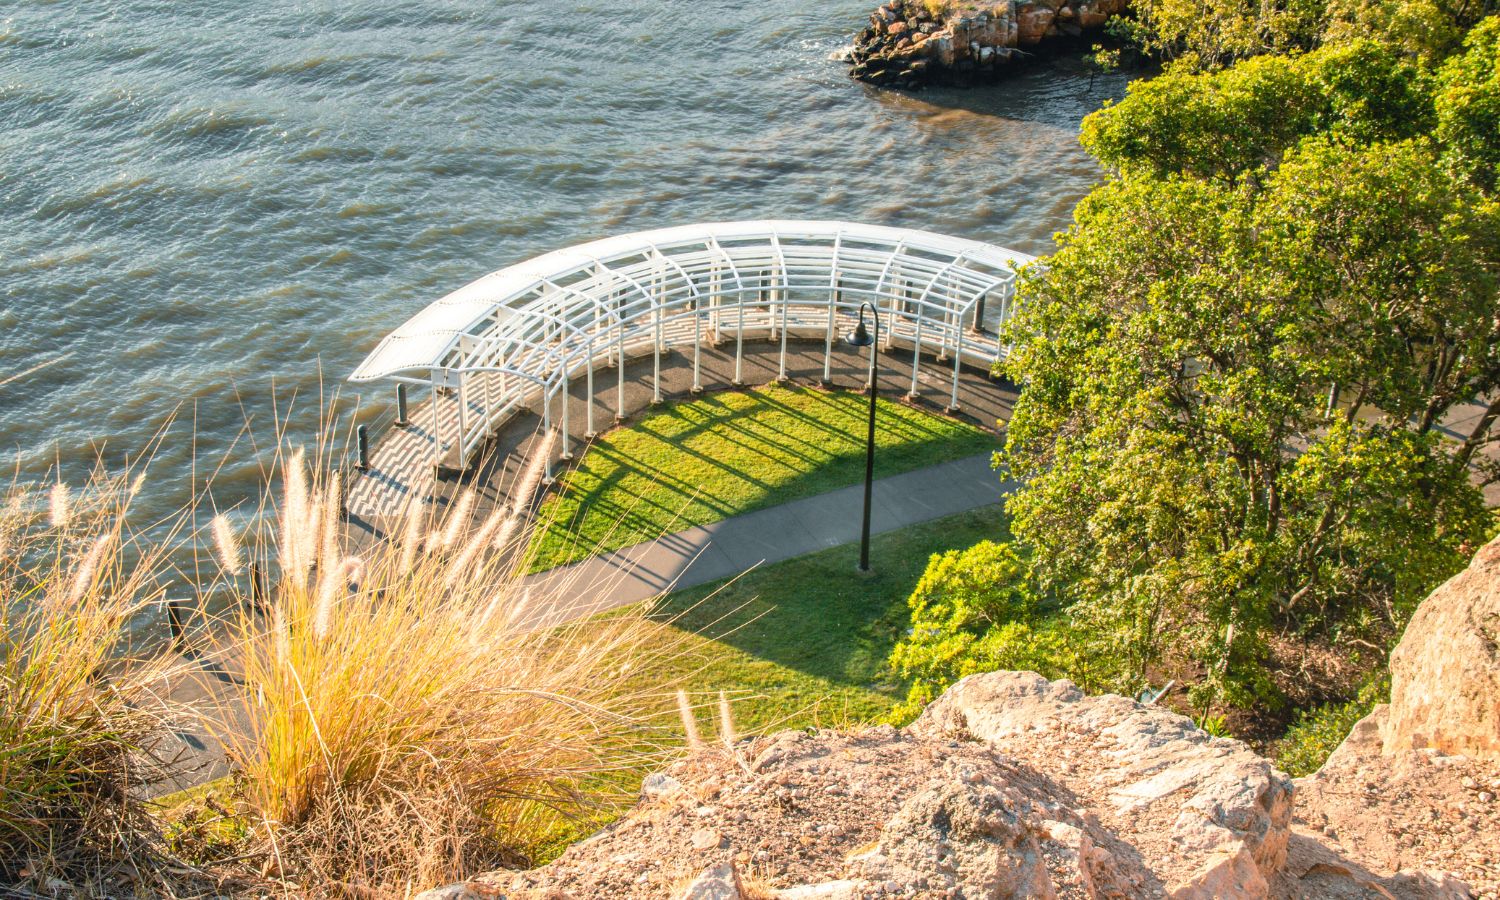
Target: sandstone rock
x,y
963,840
1445,672
464,890
1230,872
719,882
1219,793
1032,24
970,39
660,786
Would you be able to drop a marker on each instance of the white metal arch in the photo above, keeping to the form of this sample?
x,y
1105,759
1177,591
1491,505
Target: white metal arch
x,y
524,332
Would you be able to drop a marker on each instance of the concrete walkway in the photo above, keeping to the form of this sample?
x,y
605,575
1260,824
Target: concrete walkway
x,y
709,552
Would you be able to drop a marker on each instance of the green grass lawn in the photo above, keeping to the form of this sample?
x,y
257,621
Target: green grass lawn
x,y
701,461
804,641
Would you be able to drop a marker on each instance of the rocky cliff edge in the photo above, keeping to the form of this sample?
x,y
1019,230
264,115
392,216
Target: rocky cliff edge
x,y
1011,785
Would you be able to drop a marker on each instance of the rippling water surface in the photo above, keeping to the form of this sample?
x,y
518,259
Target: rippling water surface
x,y
203,205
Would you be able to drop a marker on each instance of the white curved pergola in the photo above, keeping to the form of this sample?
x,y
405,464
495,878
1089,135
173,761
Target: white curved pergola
x,y
521,335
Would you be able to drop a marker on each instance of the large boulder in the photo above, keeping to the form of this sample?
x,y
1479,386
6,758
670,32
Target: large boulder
x,y
1218,813
1445,673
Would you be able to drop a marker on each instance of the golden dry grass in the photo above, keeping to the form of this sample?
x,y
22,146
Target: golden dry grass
x,y
401,715
79,714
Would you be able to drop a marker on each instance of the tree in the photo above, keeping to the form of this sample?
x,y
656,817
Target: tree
x,y
1215,33
1225,124
973,611
1468,106
1187,481
1204,35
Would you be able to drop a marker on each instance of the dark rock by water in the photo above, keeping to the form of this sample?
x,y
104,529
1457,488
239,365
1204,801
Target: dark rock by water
x,y
910,43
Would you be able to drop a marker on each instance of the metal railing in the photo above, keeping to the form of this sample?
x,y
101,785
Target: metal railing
x,y
524,334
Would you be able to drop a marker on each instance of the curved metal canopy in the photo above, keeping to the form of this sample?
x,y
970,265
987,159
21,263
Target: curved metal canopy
x,y
624,277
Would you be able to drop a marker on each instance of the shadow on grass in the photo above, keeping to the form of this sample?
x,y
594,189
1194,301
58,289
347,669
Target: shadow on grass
x,y
813,630
702,461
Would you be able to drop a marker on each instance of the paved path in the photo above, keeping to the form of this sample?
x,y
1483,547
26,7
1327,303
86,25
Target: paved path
x,y
710,552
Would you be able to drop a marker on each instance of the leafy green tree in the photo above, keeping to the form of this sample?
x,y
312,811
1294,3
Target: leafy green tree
x,y
1203,35
974,610
1232,392
1428,29
1215,33
1468,106
1227,123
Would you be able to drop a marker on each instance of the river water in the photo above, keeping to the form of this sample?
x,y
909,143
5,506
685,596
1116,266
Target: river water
x,y
207,206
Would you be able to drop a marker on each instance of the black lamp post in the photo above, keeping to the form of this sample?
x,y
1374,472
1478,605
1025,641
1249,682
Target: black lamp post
x,y
861,337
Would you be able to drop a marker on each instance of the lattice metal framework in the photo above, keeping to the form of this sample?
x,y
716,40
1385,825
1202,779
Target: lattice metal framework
x,y
524,333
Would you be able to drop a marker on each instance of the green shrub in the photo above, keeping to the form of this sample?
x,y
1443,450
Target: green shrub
x,y
1318,732
975,611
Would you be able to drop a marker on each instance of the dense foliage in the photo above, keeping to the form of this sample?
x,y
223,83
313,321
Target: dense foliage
x,y
1318,732
976,610
1238,365
1208,34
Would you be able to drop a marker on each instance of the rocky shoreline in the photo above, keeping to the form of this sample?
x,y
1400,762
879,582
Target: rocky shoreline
x,y
912,43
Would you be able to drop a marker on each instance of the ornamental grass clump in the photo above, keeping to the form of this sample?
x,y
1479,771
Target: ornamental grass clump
x,y
81,725
405,709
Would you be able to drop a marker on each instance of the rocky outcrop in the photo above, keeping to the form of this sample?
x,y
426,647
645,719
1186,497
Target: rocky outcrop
x,y
1445,673
1414,791
909,43
1011,785
1214,813
1008,786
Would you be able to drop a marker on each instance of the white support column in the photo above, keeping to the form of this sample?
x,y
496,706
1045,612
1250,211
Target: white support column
x,y
620,358
567,439
942,355
898,297
656,353
547,473
784,296
958,358
463,431
768,295
588,415
781,364
697,345
715,291
739,342
833,296
437,431
916,358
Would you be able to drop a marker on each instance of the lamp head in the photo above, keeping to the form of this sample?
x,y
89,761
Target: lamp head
x,y
860,337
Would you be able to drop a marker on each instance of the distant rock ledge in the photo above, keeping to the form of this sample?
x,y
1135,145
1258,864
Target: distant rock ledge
x,y
911,43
